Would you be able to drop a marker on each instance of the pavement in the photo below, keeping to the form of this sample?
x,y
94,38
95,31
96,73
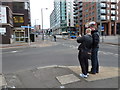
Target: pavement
x,y
60,76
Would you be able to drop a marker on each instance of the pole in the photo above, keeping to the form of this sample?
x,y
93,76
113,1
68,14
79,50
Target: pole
x,y
101,34
28,35
42,24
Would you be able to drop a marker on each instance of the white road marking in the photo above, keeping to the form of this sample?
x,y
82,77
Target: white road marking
x,y
14,51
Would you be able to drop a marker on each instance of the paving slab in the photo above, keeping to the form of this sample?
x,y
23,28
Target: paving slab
x,y
66,79
105,73
2,81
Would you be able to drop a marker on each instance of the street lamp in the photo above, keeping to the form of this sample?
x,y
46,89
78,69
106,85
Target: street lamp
x,y
42,22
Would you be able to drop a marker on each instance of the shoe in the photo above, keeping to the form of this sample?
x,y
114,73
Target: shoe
x,y
87,74
83,76
91,73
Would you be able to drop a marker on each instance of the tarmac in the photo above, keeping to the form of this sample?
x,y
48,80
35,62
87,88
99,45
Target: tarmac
x,y
60,76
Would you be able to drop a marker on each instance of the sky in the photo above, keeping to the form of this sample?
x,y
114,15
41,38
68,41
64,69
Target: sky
x,y
36,6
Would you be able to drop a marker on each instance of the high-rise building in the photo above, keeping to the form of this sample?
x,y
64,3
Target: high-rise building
x,y
61,18
103,12
18,14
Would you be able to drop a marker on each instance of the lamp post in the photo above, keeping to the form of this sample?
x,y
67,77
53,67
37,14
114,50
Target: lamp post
x,y
42,22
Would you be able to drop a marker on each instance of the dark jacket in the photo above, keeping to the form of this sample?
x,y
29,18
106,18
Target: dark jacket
x,y
96,39
86,42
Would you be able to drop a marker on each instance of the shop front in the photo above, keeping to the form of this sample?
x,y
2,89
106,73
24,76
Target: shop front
x,y
20,35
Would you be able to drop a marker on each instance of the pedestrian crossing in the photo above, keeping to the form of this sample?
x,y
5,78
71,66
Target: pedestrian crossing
x,y
100,52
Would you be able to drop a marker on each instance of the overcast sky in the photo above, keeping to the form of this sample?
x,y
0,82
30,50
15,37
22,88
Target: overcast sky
x,y
36,6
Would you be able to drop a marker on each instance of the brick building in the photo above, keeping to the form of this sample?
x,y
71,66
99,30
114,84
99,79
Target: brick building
x,y
104,12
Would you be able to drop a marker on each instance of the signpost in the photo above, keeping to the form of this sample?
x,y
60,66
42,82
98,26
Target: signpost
x,y
28,32
102,29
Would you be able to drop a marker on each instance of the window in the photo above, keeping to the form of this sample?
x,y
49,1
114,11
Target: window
x,y
103,17
86,10
112,6
112,11
92,18
103,11
108,5
93,13
113,0
103,4
112,17
92,7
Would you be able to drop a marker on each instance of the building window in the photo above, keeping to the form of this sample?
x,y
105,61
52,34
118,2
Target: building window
x,y
86,10
92,7
113,0
86,15
112,11
108,5
93,13
103,11
112,17
92,18
103,4
103,17
112,6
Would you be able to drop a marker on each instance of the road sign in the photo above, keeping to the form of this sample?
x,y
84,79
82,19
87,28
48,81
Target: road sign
x,y
102,28
26,27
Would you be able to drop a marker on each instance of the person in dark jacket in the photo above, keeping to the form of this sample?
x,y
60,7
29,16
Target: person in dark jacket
x,y
95,48
84,51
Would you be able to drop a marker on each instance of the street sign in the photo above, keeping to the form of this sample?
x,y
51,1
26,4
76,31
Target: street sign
x,y
26,27
102,28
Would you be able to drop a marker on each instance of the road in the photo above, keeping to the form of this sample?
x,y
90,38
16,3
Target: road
x,y
64,52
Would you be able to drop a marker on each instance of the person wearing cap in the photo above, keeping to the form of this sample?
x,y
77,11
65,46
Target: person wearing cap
x,y
95,48
84,51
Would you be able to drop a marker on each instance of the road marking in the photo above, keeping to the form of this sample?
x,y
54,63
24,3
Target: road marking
x,y
14,51
106,53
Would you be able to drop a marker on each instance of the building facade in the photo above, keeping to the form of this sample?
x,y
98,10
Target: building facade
x,y
61,18
17,16
103,12
7,24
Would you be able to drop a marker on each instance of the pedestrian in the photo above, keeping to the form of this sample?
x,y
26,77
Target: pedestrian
x,y
84,51
95,48
54,37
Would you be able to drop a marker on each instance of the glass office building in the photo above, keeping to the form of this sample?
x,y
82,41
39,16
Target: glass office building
x,y
61,18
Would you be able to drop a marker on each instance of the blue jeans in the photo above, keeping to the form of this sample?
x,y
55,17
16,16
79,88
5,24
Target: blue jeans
x,y
94,61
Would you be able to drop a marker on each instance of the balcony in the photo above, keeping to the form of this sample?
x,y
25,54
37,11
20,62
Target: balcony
x,y
113,14
113,7
104,13
80,14
81,4
103,5
113,1
80,10
103,17
75,4
103,1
